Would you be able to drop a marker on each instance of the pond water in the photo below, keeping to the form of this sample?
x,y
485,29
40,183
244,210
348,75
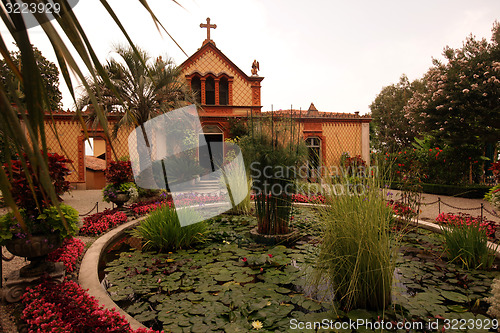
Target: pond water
x,y
230,282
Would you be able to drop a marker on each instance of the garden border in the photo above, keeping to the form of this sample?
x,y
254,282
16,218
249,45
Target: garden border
x,y
88,275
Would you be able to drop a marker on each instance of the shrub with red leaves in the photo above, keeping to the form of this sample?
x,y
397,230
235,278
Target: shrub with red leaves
x,y
462,218
21,190
68,253
67,308
119,172
98,223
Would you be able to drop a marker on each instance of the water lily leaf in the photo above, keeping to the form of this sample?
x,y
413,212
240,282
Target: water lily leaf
x,y
145,316
457,308
242,278
282,290
194,297
359,314
453,296
137,308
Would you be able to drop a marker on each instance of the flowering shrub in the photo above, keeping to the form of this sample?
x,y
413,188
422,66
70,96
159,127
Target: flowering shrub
x,y
100,222
495,168
67,308
68,253
352,165
110,191
401,209
465,219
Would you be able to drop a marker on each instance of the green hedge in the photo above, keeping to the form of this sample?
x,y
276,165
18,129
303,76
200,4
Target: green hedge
x,y
463,191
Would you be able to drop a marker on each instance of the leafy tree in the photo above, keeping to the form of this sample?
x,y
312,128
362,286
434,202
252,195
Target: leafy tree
x,y
391,131
48,72
460,105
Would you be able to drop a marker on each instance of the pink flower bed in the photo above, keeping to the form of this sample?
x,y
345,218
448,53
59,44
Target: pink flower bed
x,y
462,218
68,253
98,223
67,308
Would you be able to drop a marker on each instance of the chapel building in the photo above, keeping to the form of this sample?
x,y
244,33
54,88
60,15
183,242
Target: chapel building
x,y
224,93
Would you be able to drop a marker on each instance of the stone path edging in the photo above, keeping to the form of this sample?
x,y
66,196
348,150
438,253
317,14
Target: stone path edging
x,y
88,275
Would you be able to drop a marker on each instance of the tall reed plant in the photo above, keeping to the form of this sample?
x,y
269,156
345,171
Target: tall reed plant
x,y
273,150
466,242
357,255
162,231
238,182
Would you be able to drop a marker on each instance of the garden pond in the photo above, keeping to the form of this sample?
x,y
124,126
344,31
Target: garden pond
x,y
232,284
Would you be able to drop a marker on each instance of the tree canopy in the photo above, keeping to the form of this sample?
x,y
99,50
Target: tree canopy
x,y
391,130
460,103
457,101
48,72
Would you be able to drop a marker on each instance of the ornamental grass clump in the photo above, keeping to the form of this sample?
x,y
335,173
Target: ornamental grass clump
x,y
357,256
466,242
162,230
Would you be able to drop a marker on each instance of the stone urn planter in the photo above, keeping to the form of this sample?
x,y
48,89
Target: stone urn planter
x,y
36,251
120,199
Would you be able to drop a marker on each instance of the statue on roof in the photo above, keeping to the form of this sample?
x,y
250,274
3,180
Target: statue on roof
x,y
255,68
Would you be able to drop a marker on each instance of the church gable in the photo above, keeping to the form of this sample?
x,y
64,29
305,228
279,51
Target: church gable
x,y
210,61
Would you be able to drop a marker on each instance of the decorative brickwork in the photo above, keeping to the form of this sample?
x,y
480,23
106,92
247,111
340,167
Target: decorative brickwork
x,y
341,137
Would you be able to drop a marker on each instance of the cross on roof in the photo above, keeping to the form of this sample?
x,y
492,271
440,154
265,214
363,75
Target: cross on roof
x,y
208,26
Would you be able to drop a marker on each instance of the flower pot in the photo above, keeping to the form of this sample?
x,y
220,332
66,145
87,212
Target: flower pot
x,y
35,250
120,199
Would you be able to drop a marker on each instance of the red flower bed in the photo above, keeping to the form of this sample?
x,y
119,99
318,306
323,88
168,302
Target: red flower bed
x,y
67,308
68,253
303,198
96,224
311,198
462,218
182,200
143,208
401,209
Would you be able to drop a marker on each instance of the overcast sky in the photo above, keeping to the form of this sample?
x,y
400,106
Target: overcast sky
x,y
337,54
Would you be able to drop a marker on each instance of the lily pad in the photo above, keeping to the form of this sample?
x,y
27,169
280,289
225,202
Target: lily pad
x,y
453,296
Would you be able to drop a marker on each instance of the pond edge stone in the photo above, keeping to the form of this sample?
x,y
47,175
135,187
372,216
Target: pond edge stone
x,y
88,274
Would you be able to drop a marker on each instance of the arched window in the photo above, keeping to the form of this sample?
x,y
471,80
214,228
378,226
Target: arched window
x,y
196,88
210,91
314,156
223,91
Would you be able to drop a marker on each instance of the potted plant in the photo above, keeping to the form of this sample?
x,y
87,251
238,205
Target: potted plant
x,y
121,187
45,226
